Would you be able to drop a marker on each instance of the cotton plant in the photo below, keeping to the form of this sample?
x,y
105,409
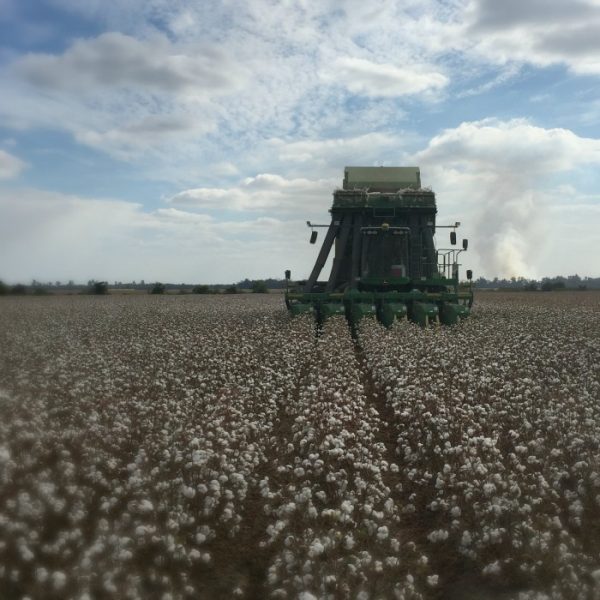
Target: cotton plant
x,y
180,447
497,423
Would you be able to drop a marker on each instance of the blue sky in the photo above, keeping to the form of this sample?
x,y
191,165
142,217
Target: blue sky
x,y
190,141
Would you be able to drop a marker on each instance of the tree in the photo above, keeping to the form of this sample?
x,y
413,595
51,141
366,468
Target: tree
x,y
260,287
158,288
3,288
200,289
19,289
232,289
551,285
99,288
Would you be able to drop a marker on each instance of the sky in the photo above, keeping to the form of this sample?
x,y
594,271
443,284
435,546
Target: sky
x,y
190,141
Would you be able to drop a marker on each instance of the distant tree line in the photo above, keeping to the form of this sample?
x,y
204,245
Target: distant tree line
x,y
257,286
546,284
262,286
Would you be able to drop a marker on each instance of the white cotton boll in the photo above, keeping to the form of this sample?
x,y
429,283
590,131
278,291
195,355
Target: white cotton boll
x,y
489,489
347,507
349,542
145,506
189,492
59,579
306,596
316,549
200,538
439,535
455,512
432,580
4,454
492,569
194,554
382,533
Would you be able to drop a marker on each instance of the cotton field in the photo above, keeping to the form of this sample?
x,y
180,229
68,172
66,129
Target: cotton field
x,y
212,447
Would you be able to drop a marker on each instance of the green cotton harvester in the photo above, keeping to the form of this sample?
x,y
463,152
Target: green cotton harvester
x,y
385,262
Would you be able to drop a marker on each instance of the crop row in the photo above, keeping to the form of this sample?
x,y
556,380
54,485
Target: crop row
x,y
498,435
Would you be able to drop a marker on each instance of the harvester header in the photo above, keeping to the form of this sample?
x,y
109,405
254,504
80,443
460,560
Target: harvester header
x,y
385,260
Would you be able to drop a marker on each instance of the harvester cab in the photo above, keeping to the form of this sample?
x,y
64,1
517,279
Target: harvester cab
x,y
385,262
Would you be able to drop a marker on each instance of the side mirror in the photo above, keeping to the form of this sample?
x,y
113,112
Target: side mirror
x,y
465,244
288,274
453,238
469,274
313,236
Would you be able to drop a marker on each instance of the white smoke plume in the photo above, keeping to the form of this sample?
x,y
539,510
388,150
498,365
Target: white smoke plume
x,y
508,229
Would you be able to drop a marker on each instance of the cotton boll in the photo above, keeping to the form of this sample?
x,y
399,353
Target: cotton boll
x,y
59,580
189,492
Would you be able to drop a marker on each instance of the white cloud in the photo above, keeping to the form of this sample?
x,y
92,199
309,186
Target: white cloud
x,y
10,166
128,97
366,78
114,60
145,135
263,84
330,155
265,192
537,32
268,70
45,235
514,146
